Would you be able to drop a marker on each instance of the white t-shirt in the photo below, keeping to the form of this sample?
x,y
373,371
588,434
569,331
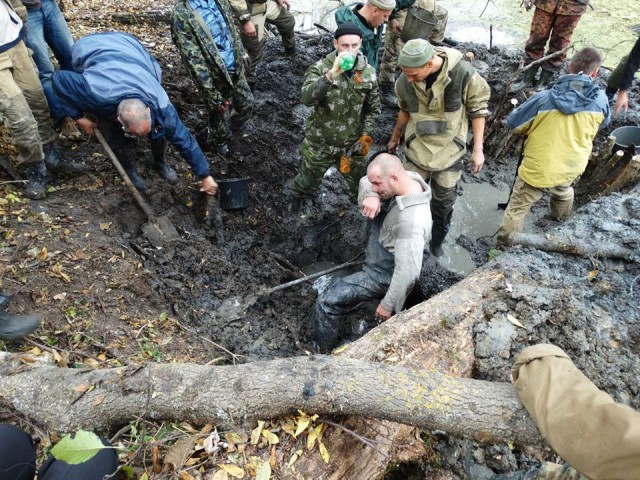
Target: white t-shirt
x,y
10,24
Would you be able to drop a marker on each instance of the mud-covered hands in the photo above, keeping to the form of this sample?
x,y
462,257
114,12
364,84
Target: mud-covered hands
x,y
209,186
382,314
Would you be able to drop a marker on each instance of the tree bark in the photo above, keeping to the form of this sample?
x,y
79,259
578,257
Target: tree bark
x,y
105,399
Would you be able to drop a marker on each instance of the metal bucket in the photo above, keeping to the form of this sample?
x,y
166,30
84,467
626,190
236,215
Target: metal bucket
x,y
626,136
234,193
419,24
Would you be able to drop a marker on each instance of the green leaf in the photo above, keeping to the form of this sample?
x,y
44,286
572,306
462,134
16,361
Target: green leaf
x,y
79,449
265,472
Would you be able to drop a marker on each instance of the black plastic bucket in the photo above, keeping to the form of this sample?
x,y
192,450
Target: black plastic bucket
x,y
626,136
234,193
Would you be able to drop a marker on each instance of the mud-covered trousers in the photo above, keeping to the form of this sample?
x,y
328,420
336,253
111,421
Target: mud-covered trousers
x,y
23,103
393,43
281,18
18,460
242,101
348,294
557,29
316,160
444,191
523,198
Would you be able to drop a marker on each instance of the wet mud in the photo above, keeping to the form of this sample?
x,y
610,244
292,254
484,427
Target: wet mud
x,y
120,283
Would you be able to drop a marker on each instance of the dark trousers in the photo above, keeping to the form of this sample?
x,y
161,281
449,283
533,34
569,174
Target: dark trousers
x,y
18,460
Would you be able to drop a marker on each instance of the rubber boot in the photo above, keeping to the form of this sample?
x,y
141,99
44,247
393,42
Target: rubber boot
x,y
158,151
37,176
56,163
387,95
13,327
438,235
528,81
136,178
545,79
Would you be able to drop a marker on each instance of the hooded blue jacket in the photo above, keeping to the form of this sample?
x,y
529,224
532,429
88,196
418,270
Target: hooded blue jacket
x,y
111,67
560,124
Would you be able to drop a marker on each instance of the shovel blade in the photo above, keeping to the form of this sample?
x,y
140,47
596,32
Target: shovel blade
x,y
160,230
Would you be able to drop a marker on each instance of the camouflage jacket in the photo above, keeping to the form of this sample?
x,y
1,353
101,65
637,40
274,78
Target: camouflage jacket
x,y
345,108
562,7
198,49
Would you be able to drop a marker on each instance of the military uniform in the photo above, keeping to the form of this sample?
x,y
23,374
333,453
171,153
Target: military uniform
x,y
436,135
553,21
344,110
393,43
258,12
202,59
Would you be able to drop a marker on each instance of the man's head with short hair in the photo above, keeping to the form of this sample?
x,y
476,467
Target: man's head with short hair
x,y
387,175
376,12
586,61
135,117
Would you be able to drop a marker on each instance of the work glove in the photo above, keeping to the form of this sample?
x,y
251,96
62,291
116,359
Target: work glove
x,y
363,144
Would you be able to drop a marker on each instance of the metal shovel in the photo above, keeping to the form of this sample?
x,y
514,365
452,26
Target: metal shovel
x,y
235,308
159,228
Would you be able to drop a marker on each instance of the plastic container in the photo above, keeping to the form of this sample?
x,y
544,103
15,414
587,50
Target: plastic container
x,y
234,193
626,136
347,62
419,24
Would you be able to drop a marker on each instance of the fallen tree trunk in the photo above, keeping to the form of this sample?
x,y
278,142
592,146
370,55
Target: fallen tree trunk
x,y
104,399
571,246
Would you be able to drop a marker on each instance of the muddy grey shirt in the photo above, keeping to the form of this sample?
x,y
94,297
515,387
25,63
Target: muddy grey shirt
x,y
404,232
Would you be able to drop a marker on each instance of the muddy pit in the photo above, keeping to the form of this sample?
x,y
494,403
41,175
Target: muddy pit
x,y
101,278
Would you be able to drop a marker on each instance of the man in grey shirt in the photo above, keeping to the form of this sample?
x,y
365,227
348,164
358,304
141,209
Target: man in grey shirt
x,y
397,235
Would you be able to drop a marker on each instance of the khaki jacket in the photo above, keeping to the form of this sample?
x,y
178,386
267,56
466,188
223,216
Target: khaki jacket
x,y
436,135
595,435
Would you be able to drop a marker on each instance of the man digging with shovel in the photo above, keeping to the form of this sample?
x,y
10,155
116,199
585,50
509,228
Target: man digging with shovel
x,y
119,82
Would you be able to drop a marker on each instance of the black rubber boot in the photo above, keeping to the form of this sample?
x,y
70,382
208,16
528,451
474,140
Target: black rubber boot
x,y
37,177
158,151
387,95
527,83
136,179
438,235
222,150
13,327
56,163
545,80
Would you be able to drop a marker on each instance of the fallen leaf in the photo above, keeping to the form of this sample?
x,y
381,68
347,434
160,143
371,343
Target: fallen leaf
x,y
99,399
60,296
105,226
233,470
265,472
255,433
592,275
303,423
515,321
185,476
220,475
324,453
270,437
82,388
77,449
179,452
294,458
311,439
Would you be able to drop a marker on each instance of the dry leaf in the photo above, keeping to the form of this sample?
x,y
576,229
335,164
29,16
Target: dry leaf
x,y
311,439
99,399
270,437
303,423
265,472
179,452
591,276
220,475
82,388
324,453
185,476
42,256
155,458
60,296
233,470
515,321
255,433
294,457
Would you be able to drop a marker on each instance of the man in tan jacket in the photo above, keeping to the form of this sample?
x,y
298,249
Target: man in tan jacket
x,y
597,437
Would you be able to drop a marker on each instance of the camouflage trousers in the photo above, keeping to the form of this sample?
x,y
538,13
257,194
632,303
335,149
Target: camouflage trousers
x,y
393,43
316,160
281,18
23,102
242,102
557,30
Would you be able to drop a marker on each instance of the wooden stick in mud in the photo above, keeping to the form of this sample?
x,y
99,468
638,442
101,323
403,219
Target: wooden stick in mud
x,y
571,246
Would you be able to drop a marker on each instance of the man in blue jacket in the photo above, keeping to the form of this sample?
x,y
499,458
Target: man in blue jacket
x,y
118,81
560,124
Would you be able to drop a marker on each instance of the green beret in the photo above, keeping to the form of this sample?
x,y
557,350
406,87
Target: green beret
x,y
383,4
415,53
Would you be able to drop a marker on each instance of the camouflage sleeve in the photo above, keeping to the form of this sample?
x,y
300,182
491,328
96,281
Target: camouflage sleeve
x,y
316,85
187,45
476,97
552,471
372,106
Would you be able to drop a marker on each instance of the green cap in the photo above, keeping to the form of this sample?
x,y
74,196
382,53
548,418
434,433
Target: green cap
x,y
415,53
